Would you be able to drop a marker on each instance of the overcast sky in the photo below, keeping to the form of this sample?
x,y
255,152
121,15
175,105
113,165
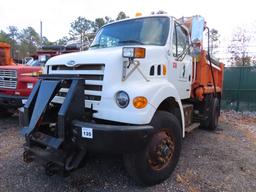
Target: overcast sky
x,y
56,15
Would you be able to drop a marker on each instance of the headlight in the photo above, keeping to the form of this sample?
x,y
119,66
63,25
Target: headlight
x,y
122,99
30,85
128,52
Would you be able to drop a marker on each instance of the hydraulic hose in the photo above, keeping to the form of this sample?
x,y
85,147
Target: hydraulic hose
x,y
209,57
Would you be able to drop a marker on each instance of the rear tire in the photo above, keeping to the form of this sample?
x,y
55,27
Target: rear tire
x,y
157,161
214,114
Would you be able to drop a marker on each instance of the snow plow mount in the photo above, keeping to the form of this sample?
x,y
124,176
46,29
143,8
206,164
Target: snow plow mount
x,y
48,126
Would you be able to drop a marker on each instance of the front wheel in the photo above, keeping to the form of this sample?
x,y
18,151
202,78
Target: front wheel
x,y
157,161
6,112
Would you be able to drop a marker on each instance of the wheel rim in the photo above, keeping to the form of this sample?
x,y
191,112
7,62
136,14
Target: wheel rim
x,y
161,150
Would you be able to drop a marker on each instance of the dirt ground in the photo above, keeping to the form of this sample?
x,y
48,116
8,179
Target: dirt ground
x,y
224,160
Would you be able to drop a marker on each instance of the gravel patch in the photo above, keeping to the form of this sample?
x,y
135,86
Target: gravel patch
x,y
224,160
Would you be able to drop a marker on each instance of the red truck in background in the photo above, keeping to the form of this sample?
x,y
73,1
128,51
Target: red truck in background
x,y
18,80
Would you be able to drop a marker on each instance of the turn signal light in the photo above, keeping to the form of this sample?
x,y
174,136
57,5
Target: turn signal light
x,y
140,52
140,102
33,74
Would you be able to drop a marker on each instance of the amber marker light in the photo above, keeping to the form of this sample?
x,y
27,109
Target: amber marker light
x,y
140,102
138,14
164,70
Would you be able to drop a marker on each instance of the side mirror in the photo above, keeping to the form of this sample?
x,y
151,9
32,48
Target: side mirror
x,y
195,51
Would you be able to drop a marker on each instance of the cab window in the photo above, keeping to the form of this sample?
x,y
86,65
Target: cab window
x,y
180,41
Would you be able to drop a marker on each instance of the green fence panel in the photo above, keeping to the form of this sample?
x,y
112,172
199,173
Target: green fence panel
x,y
239,90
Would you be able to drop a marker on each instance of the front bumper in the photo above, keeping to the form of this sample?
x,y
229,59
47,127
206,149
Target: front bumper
x,y
111,138
107,138
11,101
55,136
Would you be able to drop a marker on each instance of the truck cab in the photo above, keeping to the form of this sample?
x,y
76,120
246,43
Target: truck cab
x,y
160,68
135,91
16,83
18,80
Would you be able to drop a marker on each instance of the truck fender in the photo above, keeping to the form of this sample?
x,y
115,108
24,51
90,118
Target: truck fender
x,y
165,92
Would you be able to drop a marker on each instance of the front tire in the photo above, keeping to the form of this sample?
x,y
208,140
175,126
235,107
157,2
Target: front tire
x,y
157,161
5,113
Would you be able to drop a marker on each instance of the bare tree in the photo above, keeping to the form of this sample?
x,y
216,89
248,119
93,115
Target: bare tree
x,y
214,40
158,12
98,23
80,27
238,47
121,15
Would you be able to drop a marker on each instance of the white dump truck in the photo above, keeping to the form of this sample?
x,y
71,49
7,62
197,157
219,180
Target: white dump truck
x,y
141,86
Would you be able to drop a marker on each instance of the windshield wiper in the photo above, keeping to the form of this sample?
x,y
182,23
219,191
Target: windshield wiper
x,y
131,41
95,45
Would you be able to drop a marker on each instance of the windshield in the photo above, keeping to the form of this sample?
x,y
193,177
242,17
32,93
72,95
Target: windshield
x,y
142,31
36,63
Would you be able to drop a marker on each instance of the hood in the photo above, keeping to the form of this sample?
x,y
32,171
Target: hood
x,y
18,66
105,55
112,60
92,56
21,68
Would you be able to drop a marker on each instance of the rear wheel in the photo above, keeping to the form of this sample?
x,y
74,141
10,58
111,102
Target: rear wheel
x,y
214,114
157,161
211,113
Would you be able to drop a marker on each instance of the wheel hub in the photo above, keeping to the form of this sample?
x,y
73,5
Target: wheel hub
x,y
165,150
161,150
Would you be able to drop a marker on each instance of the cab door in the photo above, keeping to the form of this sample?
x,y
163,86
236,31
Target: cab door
x,y
182,61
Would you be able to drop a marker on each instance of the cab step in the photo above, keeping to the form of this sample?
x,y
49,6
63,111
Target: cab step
x,y
192,127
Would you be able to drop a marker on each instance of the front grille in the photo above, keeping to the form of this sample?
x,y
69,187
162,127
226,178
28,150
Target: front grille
x,y
93,75
8,79
80,67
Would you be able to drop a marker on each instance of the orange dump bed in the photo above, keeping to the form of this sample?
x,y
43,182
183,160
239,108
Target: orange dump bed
x,y
5,54
202,77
